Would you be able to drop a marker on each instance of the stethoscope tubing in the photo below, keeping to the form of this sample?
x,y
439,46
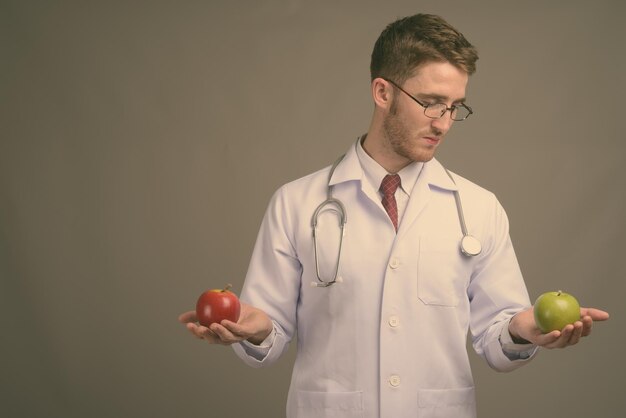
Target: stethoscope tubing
x,y
470,246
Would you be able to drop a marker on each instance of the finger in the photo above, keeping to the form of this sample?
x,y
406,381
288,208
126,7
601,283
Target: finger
x,y
563,340
187,317
202,333
595,314
235,328
546,340
587,325
205,332
576,333
224,335
193,328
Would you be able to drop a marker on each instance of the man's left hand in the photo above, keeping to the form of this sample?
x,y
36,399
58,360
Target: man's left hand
x,y
523,327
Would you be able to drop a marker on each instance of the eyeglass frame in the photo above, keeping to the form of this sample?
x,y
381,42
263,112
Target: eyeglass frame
x,y
427,105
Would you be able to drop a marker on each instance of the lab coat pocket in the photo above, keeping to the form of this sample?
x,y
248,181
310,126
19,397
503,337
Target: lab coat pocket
x,y
330,404
442,271
446,403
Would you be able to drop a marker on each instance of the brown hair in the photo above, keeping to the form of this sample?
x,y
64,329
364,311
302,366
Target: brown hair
x,y
412,41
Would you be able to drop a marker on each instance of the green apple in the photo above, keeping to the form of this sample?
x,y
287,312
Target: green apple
x,y
555,310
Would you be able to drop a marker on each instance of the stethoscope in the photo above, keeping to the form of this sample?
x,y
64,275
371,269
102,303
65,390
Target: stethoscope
x,y
470,246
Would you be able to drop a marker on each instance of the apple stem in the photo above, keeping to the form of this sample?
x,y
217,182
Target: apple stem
x,y
559,293
228,286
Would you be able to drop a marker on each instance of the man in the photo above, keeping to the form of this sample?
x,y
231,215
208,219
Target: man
x,y
382,310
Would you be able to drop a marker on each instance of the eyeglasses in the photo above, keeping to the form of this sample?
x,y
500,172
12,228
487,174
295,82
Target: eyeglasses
x,y
437,110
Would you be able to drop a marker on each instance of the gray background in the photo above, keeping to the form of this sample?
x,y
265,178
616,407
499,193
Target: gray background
x,y
141,143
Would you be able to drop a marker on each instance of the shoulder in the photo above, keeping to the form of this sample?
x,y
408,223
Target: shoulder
x,y
439,176
467,186
301,188
299,192
475,199
317,177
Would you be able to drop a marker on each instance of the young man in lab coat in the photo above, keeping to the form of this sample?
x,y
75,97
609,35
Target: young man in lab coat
x,y
387,339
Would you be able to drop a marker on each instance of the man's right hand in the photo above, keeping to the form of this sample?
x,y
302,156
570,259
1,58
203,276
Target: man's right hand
x,y
253,325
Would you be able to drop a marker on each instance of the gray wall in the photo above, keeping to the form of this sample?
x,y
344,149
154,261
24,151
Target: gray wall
x,y
126,128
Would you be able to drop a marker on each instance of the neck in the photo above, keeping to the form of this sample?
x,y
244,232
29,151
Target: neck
x,y
377,146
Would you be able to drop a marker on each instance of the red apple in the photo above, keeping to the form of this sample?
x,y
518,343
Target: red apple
x,y
216,305
555,310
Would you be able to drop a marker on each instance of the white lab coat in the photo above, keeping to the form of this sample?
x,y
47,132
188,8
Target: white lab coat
x,y
390,339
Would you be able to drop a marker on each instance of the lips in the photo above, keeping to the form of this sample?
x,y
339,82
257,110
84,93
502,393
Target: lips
x,y
432,140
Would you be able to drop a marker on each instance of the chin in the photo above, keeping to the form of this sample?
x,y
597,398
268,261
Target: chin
x,y
421,157
416,153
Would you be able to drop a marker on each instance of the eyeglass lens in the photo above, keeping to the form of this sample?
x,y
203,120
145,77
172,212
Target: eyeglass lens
x,y
437,110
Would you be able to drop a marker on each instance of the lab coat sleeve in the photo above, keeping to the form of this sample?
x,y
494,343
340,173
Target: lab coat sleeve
x,y
497,292
273,281
260,351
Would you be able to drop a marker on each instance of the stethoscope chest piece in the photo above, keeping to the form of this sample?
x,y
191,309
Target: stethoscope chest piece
x,y
470,246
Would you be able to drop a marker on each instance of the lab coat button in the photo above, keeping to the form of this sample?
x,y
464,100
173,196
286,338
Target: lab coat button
x,y
394,381
394,263
394,321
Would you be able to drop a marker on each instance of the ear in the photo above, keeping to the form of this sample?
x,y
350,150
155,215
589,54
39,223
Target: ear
x,y
382,93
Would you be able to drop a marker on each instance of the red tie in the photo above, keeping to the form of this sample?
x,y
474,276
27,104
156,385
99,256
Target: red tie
x,y
388,187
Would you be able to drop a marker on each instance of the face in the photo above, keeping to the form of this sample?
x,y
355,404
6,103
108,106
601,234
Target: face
x,y
408,134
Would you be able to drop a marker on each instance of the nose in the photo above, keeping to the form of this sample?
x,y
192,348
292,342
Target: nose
x,y
443,124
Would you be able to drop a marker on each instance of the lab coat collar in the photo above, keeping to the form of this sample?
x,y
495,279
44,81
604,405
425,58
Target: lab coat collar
x,y
433,173
348,169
